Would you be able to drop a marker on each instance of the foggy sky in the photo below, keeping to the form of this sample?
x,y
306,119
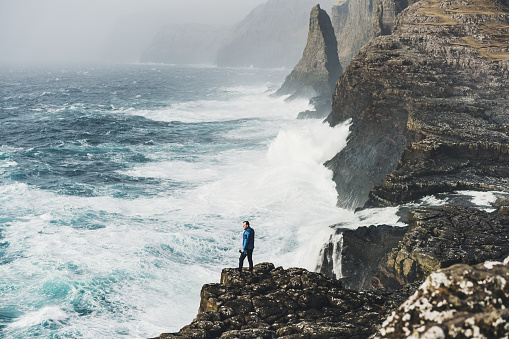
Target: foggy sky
x,y
100,30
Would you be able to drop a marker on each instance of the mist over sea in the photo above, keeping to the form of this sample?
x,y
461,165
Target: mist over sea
x,y
123,189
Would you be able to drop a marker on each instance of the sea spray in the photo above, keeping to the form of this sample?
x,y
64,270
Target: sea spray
x,y
124,191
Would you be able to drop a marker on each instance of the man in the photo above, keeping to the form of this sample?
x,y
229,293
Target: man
x,y
247,246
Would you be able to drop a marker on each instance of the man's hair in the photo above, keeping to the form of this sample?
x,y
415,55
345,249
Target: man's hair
x,y
247,222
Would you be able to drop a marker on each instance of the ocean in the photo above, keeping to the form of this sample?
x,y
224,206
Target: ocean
x,y
123,189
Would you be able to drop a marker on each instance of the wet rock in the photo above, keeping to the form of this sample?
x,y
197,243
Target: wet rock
x,y
362,251
441,236
293,303
458,302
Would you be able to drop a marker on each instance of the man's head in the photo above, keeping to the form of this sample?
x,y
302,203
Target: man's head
x,y
245,224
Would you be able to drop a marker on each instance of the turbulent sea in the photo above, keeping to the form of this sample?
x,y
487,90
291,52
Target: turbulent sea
x,y
123,189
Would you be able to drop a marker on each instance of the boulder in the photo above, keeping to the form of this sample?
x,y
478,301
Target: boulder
x,y
461,301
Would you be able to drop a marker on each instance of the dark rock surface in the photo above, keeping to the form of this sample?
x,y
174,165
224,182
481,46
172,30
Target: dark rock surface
x,y
362,252
441,236
457,302
322,108
429,106
318,69
291,303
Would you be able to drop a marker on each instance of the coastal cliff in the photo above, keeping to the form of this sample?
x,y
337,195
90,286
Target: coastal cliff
x,y
273,302
318,69
287,303
357,22
428,106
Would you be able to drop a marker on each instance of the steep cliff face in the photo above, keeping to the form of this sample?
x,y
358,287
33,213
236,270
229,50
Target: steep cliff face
x,y
361,252
319,68
272,35
429,106
357,22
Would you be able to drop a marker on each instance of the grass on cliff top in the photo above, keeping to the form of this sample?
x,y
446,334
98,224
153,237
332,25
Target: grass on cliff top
x,y
494,47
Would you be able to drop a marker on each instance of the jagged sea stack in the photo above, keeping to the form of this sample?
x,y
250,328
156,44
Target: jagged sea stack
x,y
429,106
318,69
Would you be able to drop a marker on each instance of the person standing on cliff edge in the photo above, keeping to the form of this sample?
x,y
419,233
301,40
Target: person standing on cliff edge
x,y
247,246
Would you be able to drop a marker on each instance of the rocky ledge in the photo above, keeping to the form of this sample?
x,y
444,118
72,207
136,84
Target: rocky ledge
x,y
287,303
429,106
441,236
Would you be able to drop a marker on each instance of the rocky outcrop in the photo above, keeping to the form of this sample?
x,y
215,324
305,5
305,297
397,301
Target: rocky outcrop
x,y
292,303
319,68
457,302
272,35
317,71
441,236
428,105
361,251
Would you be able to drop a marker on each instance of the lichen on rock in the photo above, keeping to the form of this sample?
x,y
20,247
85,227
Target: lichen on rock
x,y
458,302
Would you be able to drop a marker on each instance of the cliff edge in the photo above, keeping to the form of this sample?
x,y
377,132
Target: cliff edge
x,y
429,106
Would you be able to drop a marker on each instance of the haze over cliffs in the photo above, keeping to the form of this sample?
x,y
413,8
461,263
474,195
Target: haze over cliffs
x,y
272,35
185,44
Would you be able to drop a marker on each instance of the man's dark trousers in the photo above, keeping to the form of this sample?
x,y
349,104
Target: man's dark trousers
x,y
243,255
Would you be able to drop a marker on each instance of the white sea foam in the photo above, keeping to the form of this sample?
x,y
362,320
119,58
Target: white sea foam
x,y
248,102
124,259
47,314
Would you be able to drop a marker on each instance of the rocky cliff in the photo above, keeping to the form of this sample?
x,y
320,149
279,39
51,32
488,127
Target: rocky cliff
x,y
319,68
357,22
441,236
292,303
361,251
428,105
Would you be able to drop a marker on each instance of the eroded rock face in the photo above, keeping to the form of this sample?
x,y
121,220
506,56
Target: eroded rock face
x,y
357,22
429,106
362,251
287,304
441,236
318,69
458,302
